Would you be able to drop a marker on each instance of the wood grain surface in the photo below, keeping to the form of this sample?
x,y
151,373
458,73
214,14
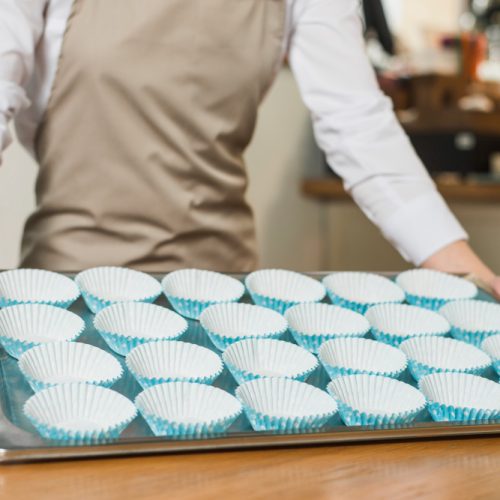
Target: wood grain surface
x,y
448,469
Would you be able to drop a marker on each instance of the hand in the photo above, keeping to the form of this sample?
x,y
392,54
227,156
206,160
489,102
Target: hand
x,y
459,257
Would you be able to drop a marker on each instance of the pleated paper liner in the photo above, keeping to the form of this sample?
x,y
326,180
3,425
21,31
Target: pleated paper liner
x,y
282,404
491,346
172,361
126,325
432,289
64,362
228,323
27,325
437,354
104,286
36,286
257,358
472,321
359,291
279,289
349,356
395,323
79,413
375,400
461,397
179,409
313,324
191,291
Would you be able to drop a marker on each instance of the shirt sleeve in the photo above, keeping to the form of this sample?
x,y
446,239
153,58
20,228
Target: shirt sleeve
x,y
356,127
21,25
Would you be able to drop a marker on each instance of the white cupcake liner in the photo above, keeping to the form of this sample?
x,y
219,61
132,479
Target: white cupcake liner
x,y
79,413
432,289
228,323
461,397
472,320
27,325
64,362
172,361
376,401
187,409
191,291
256,358
491,346
285,405
36,286
126,325
359,291
313,324
279,289
349,356
103,286
437,354
394,323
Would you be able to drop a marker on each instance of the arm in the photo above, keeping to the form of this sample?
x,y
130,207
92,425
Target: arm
x,y
355,126
21,25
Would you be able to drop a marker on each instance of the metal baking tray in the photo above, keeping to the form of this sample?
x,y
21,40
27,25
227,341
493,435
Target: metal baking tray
x,y
19,441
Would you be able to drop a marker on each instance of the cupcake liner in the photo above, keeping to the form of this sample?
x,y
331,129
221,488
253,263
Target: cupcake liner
x,y
63,362
432,289
228,323
80,413
187,409
460,397
313,324
360,291
36,286
279,290
104,286
437,354
350,356
285,405
491,346
172,361
375,401
256,358
395,323
26,325
126,325
472,321
191,291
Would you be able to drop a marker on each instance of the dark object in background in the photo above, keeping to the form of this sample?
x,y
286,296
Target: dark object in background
x,y
376,22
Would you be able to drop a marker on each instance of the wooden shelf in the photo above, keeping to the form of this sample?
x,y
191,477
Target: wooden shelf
x,y
331,189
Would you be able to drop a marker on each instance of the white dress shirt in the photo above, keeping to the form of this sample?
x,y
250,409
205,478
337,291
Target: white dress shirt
x,y
353,121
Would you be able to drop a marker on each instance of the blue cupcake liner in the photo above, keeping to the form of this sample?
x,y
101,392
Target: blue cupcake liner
x,y
280,306
496,366
38,385
242,376
16,348
444,413
192,309
162,427
396,340
426,302
475,338
340,371
122,344
262,422
358,307
63,304
96,304
419,370
222,342
312,343
352,417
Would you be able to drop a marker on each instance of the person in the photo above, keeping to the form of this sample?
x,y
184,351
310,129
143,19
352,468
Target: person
x,y
138,114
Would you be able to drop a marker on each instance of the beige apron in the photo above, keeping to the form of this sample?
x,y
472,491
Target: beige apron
x,y
141,148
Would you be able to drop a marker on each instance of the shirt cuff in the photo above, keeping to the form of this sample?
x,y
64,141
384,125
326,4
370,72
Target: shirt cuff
x,y
422,227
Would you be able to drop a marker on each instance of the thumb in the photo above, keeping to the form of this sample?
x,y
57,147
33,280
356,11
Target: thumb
x,y
495,286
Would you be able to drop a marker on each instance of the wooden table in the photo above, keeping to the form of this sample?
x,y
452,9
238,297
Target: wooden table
x,y
450,469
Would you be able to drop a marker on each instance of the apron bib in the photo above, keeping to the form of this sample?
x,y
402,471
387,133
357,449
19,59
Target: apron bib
x,y
141,149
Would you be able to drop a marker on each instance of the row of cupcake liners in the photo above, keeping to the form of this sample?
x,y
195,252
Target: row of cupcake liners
x,y
237,339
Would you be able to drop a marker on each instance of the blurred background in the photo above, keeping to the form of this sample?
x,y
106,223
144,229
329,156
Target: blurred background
x,y
439,61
